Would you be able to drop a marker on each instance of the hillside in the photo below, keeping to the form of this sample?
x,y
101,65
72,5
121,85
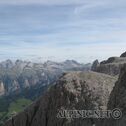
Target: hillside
x,y
28,80
74,91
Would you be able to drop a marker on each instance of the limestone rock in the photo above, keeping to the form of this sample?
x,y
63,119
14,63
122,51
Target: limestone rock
x,y
95,65
118,100
74,91
111,66
19,75
2,89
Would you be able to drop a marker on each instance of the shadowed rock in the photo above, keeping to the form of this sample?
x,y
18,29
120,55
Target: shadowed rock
x,y
123,55
95,65
118,100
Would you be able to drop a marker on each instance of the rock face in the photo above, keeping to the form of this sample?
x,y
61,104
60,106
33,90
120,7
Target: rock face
x,y
118,100
73,91
95,65
123,55
15,76
111,66
2,89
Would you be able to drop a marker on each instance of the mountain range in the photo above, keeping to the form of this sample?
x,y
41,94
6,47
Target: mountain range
x,y
22,82
103,90
19,75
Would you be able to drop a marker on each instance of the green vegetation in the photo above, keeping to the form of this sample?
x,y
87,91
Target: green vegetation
x,y
14,107
18,101
18,105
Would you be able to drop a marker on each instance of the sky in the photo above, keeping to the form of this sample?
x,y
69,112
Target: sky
x,y
83,30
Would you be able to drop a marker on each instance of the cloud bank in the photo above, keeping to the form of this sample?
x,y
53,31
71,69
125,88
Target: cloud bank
x,y
75,29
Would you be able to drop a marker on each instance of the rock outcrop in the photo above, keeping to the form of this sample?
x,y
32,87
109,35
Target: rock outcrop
x,y
73,91
123,55
95,65
118,100
110,66
2,89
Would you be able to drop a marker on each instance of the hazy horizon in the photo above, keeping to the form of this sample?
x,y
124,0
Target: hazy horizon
x,y
60,30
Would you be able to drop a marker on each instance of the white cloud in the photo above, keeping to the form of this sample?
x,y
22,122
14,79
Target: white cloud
x,y
44,2
83,52
91,29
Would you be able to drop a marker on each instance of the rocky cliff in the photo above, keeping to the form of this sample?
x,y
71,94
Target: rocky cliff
x,y
73,91
118,100
2,89
110,66
16,76
95,65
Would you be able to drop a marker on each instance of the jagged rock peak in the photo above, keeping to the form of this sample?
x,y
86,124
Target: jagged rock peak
x,y
95,65
18,61
7,64
28,74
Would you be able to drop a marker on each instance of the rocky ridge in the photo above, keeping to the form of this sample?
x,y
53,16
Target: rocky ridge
x,y
118,100
73,91
110,66
18,75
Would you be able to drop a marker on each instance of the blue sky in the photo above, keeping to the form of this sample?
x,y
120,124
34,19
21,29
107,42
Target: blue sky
x,y
83,30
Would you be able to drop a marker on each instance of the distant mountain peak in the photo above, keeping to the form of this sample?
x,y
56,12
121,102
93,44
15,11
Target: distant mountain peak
x,y
72,61
21,72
